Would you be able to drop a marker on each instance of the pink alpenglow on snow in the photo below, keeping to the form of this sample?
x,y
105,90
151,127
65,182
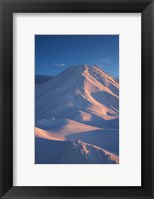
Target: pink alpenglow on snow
x,y
77,118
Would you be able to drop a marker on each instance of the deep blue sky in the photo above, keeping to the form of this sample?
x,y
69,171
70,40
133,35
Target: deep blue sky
x,y
54,53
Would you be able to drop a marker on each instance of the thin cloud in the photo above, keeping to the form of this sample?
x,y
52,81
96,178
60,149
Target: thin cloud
x,y
60,65
104,61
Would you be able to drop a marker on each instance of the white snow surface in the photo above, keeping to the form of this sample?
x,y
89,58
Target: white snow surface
x,y
81,103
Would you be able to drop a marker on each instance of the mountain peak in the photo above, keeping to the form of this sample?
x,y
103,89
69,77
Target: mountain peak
x,y
85,67
80,93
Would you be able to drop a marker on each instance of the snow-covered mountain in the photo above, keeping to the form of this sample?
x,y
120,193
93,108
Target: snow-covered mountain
x,y
71,152
40,79
82,103
81,93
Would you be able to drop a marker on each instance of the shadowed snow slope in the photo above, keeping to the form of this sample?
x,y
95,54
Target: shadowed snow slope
x,y
71,152
107,139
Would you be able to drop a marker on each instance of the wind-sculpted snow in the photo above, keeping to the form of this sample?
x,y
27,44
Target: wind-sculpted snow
x,y
71,152
81,103
64,126
107,139
79,88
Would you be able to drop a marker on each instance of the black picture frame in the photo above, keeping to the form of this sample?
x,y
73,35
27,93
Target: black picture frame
x,y
7,8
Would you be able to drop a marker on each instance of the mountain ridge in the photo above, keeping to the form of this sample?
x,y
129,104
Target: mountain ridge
x,y
79,87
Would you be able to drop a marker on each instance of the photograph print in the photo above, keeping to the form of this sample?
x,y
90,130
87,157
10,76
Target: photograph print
x,y
76,99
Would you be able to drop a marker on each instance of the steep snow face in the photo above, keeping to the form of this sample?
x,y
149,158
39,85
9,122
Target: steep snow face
x,y
82,93
71,152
